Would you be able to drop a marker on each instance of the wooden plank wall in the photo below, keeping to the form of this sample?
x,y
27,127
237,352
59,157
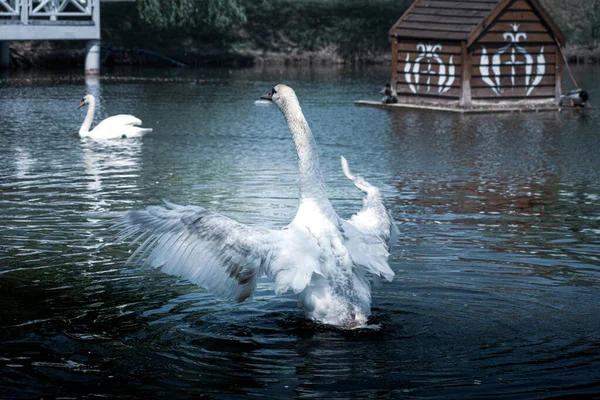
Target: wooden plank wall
x,y
527,74
448,54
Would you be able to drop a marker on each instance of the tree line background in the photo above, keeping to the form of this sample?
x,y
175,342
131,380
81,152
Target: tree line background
x,y
578,19
351,26
341,30
242,32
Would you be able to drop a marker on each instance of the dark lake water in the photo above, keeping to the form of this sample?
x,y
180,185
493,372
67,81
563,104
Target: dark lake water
x,y
497,271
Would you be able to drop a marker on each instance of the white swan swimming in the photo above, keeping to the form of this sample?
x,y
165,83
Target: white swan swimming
x,y
116,127
327,261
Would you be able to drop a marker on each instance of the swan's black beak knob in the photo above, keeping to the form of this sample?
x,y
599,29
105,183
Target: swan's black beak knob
x,y
82,104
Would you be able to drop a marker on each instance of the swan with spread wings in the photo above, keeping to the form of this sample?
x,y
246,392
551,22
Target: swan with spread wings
x,y
330,263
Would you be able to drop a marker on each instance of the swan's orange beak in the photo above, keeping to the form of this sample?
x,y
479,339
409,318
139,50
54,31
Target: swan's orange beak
x,y
82,104
267,96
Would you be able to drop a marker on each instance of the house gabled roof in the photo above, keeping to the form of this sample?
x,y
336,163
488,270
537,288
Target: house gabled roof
x,y
462,20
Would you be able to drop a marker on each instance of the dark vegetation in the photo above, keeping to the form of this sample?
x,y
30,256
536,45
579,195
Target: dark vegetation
x,y
580,22
243,32
249,31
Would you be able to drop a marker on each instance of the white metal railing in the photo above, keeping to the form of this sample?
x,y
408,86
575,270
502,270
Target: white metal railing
x,y
59,8
47,10
49,20
10,8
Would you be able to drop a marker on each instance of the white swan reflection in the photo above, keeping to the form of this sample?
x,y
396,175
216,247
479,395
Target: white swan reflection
x,y
108,165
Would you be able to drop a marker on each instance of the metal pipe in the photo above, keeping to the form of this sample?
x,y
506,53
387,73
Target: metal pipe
x,y
92,57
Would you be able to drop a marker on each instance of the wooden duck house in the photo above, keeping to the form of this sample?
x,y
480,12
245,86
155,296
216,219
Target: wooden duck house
x,y
469,53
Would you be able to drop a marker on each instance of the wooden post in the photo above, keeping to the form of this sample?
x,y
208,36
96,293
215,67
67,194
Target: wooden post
x,y
4,54
394,62
24,13
465,81
53,5
558,77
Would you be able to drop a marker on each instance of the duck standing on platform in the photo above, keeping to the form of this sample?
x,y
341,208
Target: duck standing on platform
x,y
575,98
389,94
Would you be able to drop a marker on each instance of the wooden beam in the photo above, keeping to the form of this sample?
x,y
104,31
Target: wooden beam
x,y
465,62
407,12
543,16
487,21
558,84
394,62
483,108
438,35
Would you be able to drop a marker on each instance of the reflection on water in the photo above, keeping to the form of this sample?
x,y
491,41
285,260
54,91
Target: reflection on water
x,y
92,84
22,162
498,266
110,160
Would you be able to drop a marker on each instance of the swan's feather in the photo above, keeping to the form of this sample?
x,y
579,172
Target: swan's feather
x,y
218,253
377,225
121,120
206,248
296,257
117,127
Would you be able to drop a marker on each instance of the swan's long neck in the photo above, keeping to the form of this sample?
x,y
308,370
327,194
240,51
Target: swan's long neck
x,y
89,118
312,185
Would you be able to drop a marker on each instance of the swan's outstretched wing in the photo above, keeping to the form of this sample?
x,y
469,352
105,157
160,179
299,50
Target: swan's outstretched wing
x,y
207,248
375,221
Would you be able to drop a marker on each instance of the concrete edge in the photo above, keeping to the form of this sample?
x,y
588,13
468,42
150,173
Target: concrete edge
x,y
453,109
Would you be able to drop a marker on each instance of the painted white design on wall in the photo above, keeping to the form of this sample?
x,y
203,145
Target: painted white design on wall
x,y
429,65
511,56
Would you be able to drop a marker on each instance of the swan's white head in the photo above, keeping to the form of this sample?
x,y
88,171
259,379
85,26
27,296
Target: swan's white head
x,y
87,99
285,98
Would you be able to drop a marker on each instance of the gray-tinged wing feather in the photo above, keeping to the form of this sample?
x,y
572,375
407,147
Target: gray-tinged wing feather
x,y
371,248
207,248
374,217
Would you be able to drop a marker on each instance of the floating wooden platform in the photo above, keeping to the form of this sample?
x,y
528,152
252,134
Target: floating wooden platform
x,y
478,108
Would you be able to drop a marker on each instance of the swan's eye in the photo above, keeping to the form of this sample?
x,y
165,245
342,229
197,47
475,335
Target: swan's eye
x,y
273,91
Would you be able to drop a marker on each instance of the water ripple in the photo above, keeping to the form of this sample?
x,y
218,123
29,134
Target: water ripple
x,y
498,263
